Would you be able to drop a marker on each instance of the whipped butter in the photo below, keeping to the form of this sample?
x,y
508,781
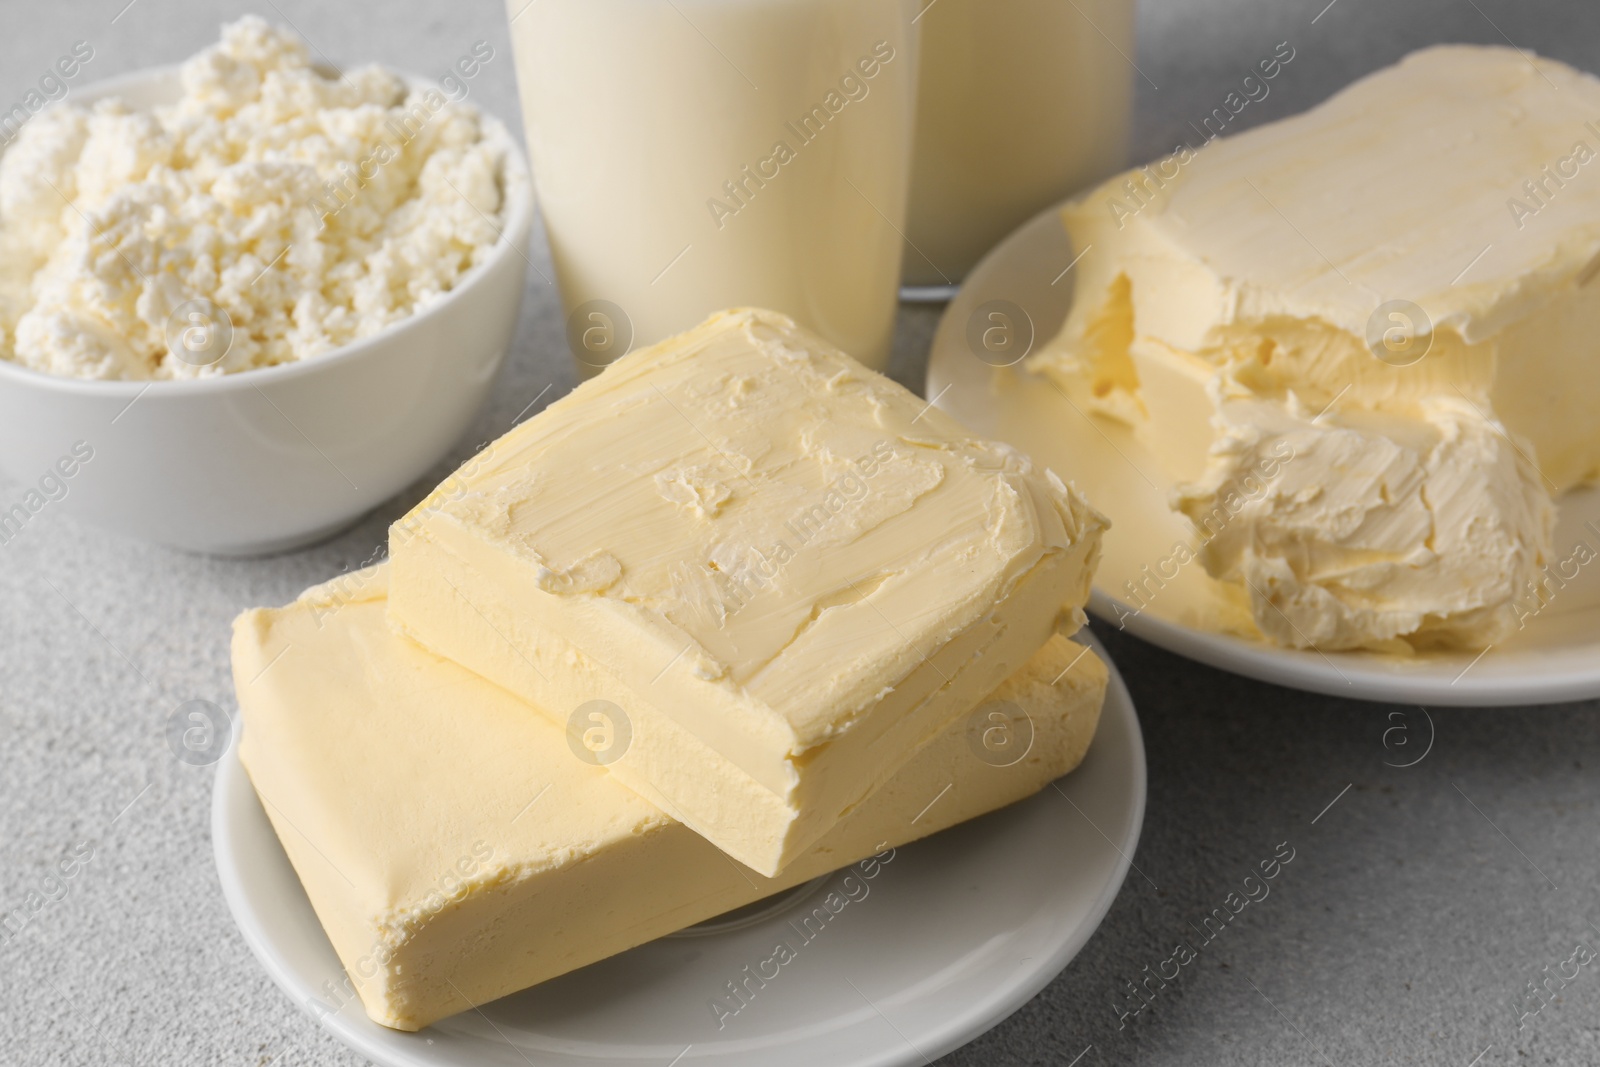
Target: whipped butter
x,y
1388,301
455,851
787,571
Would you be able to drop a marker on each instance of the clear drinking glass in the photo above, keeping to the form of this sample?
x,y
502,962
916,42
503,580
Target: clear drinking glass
x,y
1021,104
693,155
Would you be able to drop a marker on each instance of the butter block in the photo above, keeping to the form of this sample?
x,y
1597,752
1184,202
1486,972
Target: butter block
x,y
455,849
786,571
1364,528
1404,271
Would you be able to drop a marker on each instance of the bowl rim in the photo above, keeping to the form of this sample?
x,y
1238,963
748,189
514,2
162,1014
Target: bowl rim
x,y
518,211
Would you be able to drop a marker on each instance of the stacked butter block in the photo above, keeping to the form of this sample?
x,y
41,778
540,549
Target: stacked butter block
x,y
713,624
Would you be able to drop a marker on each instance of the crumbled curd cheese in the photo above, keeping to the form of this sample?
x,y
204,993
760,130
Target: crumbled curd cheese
x,y
314,209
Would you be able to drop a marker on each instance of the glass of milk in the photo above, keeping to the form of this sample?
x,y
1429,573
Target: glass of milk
x,y
1022,103
693,155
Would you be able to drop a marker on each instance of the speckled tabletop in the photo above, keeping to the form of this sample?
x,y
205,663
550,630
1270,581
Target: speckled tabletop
x,y
1421,900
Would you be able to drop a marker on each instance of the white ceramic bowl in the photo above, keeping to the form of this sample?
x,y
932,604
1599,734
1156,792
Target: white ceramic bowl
x,y
265,460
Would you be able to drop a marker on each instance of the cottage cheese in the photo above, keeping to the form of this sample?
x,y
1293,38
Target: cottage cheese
x,y
312,210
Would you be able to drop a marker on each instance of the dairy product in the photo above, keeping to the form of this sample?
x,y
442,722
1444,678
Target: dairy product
x,y
1019,104
1372,526
301,210
693,155
1422,365
788,571
456,851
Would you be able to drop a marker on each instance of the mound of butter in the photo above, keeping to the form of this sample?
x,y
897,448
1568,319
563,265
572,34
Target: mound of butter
x,y
1363,342
780,572
454,849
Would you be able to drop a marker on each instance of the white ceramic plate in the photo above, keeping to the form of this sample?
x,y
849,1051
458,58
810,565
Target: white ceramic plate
x,y
1556,657
955,933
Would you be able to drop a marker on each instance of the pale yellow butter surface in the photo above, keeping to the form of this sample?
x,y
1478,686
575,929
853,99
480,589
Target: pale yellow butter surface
x,y
456,848
787,570
1247,306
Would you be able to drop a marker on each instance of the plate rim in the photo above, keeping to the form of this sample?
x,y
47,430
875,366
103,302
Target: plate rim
x,y
1299,669
389,1047
1311,671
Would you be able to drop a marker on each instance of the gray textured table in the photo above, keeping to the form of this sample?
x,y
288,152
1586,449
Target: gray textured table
x,y
1417,906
